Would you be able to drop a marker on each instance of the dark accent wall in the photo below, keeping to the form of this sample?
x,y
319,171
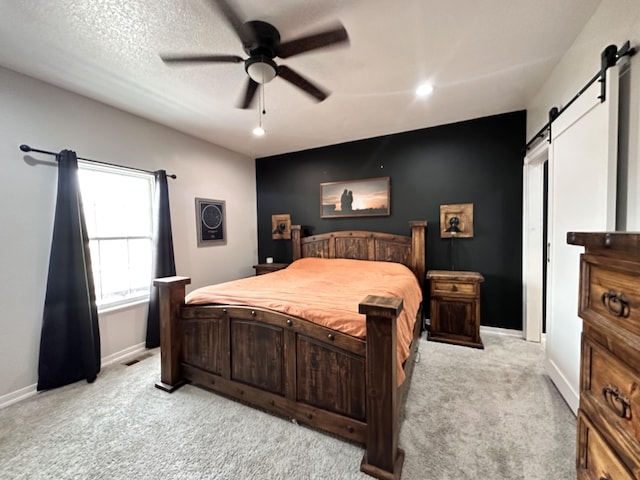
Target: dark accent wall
x,y
477,161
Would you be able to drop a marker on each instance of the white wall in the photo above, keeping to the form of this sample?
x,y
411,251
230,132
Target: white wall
x,y
49,118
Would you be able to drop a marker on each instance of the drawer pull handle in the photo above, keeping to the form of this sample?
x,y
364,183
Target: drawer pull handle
x,y
617,305
618,403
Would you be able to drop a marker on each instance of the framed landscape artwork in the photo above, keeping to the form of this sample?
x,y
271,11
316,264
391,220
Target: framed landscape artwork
x,y
210,221
355,198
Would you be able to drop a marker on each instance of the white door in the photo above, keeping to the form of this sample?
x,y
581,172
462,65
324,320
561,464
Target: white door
x,y
582,193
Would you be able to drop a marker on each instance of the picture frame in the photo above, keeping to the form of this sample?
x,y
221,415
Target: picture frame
x,y
211,222
463,213
355,198
281,226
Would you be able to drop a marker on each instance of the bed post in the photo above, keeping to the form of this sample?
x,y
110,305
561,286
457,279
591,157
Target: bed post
x,y
382,459
418,250
171,292
295,241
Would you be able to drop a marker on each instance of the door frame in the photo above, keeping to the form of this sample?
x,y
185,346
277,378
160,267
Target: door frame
x,y
532,240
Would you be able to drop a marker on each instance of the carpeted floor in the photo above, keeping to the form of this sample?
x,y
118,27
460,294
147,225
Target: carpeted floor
x,y
470,414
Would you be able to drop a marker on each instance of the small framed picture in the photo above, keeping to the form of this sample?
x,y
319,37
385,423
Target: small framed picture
x,y
281,226
210,222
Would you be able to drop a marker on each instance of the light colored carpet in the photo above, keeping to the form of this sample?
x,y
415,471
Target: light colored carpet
x,y
470,414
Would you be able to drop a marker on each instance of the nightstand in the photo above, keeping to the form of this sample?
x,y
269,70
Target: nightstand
x,y
263,268
455,307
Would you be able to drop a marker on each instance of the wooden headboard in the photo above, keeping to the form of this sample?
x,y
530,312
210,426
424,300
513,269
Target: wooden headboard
x,y
360,245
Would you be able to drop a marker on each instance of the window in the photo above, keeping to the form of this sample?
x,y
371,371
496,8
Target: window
x,y
117,206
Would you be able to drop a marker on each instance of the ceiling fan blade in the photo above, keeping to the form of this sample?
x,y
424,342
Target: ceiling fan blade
x,y
201,59
323,39
299,81
245,33
249,94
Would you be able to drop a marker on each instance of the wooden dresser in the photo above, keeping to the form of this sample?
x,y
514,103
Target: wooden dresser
x,y
608,441
455,307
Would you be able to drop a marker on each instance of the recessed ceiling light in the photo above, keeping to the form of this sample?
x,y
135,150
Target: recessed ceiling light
x,y
424,90
258,131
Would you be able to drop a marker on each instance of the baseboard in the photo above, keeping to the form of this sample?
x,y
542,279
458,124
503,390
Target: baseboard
x,y
123,355
18,395
29,391
502,331
570,396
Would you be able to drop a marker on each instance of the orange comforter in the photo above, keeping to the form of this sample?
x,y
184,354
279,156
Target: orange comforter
x,y
327,292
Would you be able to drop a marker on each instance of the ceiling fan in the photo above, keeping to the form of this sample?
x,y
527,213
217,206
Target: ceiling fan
x,y
261,42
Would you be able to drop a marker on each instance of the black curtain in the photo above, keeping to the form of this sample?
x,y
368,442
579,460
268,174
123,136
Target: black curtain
x,y
70,337
164,264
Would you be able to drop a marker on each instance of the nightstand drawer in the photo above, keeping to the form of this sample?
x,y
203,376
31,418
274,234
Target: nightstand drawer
x,y
447,288
613,291
596,460
609,388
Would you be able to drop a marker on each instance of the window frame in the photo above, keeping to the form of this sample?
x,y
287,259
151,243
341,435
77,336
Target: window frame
x,y
131,299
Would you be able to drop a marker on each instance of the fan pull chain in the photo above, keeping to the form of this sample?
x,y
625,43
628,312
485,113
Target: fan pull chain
x,y
260,106
259,131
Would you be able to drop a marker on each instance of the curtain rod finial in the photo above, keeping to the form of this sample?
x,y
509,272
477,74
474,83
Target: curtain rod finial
x,y
25,148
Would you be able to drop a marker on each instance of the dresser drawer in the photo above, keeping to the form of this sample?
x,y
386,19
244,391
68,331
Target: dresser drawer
x,y
595,459
610,390
611,290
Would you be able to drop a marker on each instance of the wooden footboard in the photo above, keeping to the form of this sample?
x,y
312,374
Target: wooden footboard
x,y
291,367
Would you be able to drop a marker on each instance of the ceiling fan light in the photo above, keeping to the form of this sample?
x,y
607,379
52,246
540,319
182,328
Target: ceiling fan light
x,y
261,69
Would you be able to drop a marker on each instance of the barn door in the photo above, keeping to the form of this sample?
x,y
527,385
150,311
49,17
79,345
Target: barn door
x,y
582,194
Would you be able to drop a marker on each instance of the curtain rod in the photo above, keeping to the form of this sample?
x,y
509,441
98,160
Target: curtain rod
x,y
608,58
27,148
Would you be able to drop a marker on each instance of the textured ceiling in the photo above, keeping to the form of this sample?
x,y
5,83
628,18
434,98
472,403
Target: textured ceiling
x,y
483,58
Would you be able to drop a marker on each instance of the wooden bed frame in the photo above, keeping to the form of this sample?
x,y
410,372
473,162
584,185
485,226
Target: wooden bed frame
x,y
294,368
